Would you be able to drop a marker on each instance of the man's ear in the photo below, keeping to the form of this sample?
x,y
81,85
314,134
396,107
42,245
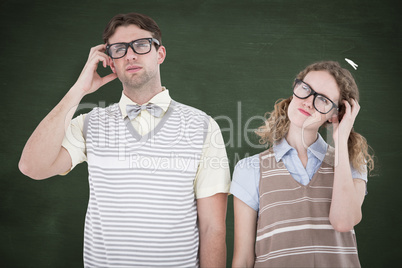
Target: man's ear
x,y
161,54
111,64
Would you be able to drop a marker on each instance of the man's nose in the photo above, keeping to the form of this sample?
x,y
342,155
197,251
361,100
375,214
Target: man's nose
x,y
131,55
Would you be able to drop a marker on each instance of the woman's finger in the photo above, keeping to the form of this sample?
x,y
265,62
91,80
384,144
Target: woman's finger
x,y
355,107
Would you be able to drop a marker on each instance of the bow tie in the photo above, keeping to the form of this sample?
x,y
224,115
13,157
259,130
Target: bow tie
x,y
134,110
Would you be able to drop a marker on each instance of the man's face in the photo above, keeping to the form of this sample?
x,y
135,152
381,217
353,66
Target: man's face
x,y
136,71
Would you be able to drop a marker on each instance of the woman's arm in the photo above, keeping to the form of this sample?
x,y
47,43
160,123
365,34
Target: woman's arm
x,y
348,193
245,225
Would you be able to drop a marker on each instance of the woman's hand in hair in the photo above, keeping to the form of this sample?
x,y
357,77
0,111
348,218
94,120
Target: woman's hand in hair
x,y
342,129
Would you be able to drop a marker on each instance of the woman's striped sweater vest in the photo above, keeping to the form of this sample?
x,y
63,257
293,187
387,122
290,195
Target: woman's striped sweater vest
x,y
293,222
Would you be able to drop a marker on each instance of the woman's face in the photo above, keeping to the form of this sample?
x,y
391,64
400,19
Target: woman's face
x,y
301,112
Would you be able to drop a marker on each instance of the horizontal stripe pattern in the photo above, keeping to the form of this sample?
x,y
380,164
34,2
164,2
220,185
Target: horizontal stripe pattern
x,y
293,228
306,250
142,210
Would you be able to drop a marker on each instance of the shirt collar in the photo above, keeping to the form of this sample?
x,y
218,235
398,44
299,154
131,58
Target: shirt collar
x,y
318,148
162,99
281,148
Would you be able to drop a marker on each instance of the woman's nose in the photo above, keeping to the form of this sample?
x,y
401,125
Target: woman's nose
x,y
309,102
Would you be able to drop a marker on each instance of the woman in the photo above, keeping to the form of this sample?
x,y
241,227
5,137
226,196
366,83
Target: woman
x,y
296,203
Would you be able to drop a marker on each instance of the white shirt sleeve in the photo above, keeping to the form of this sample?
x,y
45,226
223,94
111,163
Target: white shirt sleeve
x,y
213,174
74,141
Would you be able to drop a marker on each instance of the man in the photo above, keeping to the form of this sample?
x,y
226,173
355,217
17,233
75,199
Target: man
x,y
156,196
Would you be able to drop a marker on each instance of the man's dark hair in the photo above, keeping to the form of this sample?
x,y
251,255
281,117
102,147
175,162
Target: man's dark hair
x,y
142,21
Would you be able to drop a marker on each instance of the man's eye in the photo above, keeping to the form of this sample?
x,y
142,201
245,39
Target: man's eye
x,y
142,45
120,49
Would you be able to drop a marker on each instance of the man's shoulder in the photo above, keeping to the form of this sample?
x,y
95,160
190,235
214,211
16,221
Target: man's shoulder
x,y
187,108
111,109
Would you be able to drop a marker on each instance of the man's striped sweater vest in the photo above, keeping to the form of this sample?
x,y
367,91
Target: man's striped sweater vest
x,y
142,210
293,222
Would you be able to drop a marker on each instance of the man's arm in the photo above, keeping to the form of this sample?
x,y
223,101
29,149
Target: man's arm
x,y
43,156
212,228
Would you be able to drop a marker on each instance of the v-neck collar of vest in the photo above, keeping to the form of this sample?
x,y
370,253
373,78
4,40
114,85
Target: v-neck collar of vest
x,y
326,166
153,132
327,163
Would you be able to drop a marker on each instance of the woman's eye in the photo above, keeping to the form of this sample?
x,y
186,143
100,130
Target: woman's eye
x,y
323,99
306,88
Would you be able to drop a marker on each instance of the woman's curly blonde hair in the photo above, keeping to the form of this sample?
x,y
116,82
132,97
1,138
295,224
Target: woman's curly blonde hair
x,y
276,126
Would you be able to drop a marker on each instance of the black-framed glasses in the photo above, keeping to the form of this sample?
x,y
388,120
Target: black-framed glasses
x,y
140,46
321,103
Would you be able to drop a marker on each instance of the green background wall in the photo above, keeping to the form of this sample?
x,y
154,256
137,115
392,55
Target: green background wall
x,y
230,58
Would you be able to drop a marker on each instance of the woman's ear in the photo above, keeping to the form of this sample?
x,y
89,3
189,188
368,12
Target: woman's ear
x,y
330,117
333,118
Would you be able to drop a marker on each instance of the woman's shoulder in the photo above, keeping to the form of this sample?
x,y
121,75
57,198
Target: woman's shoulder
x,y
251,162
245,181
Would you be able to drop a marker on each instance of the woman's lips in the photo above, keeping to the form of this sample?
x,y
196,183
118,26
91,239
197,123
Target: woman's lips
x,y
304,112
